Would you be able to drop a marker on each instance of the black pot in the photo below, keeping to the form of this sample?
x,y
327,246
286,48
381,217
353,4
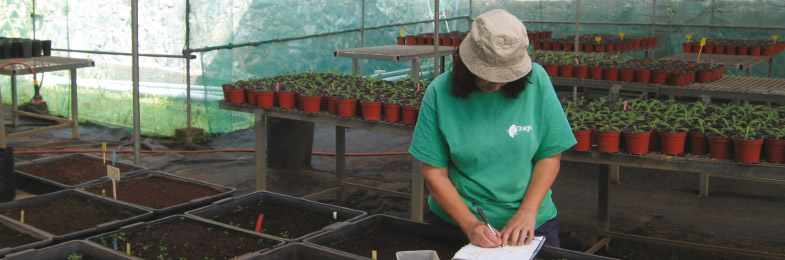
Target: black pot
x,y
36,50
27,48
16,49
46,47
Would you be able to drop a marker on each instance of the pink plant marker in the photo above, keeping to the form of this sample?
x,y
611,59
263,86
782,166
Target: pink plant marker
x,y
418,86
259,223
333,86
277,86
625,105
576,62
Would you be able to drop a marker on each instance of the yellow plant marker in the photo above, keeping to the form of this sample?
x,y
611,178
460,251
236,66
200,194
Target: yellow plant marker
x,y
775,37
621,34
22,218
128,248
703,42
401,32
689,36
103,150
373,254
598,39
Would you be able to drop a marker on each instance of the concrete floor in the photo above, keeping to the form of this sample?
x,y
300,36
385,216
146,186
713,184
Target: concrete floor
x,y
746,211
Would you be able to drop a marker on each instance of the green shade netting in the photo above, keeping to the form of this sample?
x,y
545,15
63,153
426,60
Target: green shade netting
x,y
105,90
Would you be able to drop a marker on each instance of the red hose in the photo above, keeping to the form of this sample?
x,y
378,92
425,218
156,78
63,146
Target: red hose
x,y
35,80
199,151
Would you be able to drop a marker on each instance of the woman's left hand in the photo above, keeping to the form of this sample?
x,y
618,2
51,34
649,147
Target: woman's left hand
x,y
519,229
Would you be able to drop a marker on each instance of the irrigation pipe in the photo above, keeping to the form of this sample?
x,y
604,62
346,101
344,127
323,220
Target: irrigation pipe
x,y
35,79
199,151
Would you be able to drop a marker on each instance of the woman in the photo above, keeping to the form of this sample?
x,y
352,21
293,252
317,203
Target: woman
x,y
490,134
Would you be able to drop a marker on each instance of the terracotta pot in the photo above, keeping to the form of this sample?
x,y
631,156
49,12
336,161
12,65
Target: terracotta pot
x,y
347,107
717,73
557,46
708,48
547,45
584,140
265,98
392,112
411,40
627,75
636,43
659,77
730,49
552,69
755,50
611,74
250,94
371,110
607,142
637,143
719,147
569,46
566,71
719,49
686,47
743,50
400,40
672,143
595,72
747,151
332,105
767,50
285,99
697,143
774,150
225,88
600,47
643,76
409,115
537,45
678,79
311,104
236,95
588,47
581,72
705,76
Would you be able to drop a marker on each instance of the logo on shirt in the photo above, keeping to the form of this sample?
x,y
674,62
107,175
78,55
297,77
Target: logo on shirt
x,y
514,130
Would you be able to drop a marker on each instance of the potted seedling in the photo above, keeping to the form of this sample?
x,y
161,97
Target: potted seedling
x,y
748,142
774,144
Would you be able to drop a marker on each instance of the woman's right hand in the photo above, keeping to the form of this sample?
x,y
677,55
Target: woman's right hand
x,y
480,235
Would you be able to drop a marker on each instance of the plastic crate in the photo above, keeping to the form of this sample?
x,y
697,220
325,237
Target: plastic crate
x,y
22,174
140,213
145,225
62,251
44,238
300,251
225,206
224,192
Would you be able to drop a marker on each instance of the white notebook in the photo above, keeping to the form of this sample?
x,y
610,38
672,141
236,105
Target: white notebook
x,y
526,252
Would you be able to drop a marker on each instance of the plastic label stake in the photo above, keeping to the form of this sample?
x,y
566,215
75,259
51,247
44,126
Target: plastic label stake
x,y
103,193
335,215
625,105
598,39
775,37
103,150
373,254
278,86
114,175
703,42
128,248
689,36
114,157
418,86
22,216
259,223
621,34
114,243
401,32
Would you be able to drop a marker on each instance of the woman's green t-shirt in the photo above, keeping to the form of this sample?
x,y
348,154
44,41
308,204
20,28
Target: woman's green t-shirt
x,y
489,143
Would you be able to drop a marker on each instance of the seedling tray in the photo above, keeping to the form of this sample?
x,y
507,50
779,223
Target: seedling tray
x,y
300,251
20,171
42,237
154,196
59,220
295,206
85,249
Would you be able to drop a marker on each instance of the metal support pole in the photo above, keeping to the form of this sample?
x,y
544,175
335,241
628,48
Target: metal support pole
x,y
614,173
771,66
418,188
2,127
577,25
362,38
188,133
260,151
604,197
703,185
435,39
340,162
415,69
14,104
135,77
653,24
74,107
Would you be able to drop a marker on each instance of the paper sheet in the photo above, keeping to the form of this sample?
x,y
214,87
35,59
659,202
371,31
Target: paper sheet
x,y
472,252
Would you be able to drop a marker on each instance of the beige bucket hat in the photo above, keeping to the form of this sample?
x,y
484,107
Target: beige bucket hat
x,y
495,49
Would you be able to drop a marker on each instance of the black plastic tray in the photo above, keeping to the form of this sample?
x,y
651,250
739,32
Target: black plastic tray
x,y
62,251
300,251
225,192
227,205
35,200
19,173
45,238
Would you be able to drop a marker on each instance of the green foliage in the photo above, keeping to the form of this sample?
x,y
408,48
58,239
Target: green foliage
x,y
74,256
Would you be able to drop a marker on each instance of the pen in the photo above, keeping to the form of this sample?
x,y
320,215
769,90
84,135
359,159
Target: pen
x,y
485,218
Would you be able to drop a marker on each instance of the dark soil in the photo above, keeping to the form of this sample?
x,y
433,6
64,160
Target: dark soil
x,y
76,255
625,249
387,242
279,220
182,238
69,214
71,172
155,192
11,238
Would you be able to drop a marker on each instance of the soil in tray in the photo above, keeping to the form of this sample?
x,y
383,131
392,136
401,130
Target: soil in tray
x,y
386,243
72,171
69,214
155,192
279,220
79,256
186,239
12,238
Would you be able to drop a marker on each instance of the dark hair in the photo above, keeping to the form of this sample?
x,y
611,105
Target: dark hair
x,y
463,81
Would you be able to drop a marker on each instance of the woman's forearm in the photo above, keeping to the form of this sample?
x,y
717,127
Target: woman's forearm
x,y
444,192
543,176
